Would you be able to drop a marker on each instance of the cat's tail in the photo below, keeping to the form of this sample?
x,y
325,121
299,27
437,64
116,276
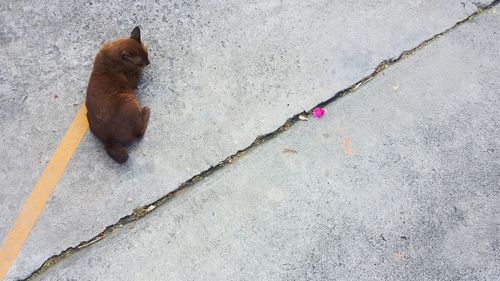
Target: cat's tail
x,y
118,152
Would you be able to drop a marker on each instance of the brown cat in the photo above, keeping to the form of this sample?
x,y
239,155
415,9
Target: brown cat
x,y
114,113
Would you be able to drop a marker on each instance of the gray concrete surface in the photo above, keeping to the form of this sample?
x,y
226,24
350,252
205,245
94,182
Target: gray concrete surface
x,y
389,185
222,73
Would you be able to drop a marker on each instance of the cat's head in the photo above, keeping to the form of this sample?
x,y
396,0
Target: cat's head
x,y
128,53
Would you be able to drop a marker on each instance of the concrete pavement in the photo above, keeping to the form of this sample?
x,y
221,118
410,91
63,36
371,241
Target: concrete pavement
x,y
399,181
222,74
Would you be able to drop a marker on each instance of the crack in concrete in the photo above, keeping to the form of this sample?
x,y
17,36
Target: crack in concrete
x,y
141,212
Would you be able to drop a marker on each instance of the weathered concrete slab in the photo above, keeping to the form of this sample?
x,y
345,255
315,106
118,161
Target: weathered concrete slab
x,y
222,73
389,185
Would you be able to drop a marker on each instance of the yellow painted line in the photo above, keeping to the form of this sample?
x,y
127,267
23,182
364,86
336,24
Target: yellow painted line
x,y
41,192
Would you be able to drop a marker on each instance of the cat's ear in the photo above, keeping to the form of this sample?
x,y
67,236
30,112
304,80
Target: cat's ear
x,y
136,34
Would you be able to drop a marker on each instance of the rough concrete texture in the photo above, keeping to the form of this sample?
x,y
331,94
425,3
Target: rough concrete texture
x,y
389,185
222,73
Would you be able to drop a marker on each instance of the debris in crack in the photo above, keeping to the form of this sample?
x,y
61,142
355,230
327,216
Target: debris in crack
x,y
92,241
302,118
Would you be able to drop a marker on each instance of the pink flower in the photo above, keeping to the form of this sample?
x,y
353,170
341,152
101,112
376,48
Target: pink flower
x,y
318,112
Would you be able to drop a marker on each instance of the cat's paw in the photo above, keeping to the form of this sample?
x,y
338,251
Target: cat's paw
x,y
145,113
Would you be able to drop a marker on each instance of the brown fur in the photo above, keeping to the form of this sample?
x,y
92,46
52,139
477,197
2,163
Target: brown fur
x,y
114,113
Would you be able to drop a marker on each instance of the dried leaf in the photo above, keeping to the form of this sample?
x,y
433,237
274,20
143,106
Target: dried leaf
x,y
395,87
289,150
